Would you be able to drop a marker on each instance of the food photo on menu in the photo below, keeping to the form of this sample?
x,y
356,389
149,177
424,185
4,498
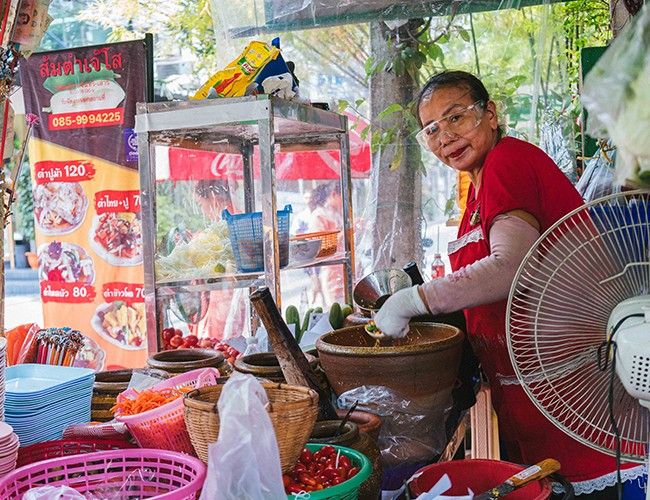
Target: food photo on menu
x,y
59,207
117,238
122,324
67,262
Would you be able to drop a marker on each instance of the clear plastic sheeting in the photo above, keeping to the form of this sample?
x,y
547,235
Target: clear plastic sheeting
x,y
553,139
616,96
411,431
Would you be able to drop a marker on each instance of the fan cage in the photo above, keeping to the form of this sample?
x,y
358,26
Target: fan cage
x,y
558,310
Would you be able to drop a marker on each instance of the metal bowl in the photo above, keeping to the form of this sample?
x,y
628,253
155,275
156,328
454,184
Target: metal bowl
x,y
372,291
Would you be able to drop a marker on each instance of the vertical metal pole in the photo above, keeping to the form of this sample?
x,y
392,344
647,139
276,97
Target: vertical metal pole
x,y
249,183
348,224
269,206
148,206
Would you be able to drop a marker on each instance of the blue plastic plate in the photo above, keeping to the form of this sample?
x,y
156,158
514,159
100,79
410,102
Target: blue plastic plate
x,y
35,379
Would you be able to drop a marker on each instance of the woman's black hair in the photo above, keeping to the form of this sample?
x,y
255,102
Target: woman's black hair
x,y
461,79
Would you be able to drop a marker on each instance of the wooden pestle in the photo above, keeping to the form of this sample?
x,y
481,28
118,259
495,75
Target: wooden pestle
x,y
293,362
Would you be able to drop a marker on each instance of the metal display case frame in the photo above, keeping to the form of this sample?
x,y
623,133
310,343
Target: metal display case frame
x,y
237,125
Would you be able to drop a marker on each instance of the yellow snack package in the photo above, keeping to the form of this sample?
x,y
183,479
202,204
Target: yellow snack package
x,y
233,80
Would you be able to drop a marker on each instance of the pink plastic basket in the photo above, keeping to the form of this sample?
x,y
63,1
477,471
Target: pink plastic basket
x,y
164,427
123,474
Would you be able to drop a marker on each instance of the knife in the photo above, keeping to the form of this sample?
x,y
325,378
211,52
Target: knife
x,y
532,473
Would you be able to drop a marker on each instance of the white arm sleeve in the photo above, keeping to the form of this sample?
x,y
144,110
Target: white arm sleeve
x,y
489,279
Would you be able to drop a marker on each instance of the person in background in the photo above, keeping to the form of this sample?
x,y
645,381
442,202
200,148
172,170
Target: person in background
x,y
225,316
516,193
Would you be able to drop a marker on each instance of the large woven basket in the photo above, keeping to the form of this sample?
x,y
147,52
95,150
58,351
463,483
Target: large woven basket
x,y
293,410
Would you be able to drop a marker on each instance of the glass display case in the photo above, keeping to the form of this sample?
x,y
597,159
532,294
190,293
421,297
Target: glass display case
x,y
213,219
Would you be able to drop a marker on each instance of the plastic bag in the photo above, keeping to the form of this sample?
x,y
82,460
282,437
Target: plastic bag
x,y
53,493
244,463
410,432
615,94
598,178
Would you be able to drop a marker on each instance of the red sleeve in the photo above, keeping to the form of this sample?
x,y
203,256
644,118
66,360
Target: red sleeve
x,y
508,183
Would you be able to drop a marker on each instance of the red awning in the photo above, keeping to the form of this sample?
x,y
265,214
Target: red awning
x,y
189,164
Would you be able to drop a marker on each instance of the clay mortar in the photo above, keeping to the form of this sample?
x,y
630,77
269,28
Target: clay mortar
x,y
422,367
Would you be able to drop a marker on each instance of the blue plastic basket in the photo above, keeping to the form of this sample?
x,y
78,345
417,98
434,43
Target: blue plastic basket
x,y
246,238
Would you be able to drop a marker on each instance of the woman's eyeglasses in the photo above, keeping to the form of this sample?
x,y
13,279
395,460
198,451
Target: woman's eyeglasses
x,y
459,122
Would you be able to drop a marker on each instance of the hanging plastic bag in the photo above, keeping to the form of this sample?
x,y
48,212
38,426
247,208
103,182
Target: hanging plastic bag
x,y
244,463
598,178
616,96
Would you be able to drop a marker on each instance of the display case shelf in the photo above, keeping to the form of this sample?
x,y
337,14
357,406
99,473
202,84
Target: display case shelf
x,y
243,126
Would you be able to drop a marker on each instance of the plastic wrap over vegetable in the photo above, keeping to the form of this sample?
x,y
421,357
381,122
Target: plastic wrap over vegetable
x,y
409,432
617,98
206,254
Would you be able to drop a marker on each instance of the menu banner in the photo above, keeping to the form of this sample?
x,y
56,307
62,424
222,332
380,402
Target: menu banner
x,y
86,195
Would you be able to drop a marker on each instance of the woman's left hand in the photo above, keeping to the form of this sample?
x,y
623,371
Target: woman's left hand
x,y
394,316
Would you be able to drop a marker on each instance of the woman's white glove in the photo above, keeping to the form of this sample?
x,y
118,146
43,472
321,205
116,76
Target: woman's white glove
x,y
394,316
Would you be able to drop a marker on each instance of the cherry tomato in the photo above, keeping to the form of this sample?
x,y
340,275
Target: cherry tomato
x,y
336,480
344,462
306,456
327,451
176,341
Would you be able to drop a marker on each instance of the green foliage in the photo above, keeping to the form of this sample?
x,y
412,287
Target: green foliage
x,y
24,206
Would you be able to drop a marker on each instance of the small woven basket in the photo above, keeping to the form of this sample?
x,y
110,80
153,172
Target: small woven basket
x,y
292,410
329,241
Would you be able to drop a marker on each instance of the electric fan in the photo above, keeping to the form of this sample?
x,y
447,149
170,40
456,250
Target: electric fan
x,y
584,283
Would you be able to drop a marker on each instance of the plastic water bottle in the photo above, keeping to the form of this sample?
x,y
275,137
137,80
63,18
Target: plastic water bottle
x,y
437,267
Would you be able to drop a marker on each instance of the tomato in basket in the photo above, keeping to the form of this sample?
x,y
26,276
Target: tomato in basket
x,y
316,471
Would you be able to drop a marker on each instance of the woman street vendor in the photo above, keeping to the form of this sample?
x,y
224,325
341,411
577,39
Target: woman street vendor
x,y
517,192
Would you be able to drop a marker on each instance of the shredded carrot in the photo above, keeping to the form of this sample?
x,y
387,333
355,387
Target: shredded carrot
x,y
148,400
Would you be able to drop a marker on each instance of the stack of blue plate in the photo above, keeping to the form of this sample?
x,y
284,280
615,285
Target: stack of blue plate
x,y
42,400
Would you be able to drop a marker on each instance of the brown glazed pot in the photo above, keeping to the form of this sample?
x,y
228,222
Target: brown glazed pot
x,y
109,384
184,360
423,366
325,433
266,365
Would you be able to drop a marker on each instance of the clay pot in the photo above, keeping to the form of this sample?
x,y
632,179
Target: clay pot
x,y
266,365
108,385
368,423
422,367
32,260
184,360
325,432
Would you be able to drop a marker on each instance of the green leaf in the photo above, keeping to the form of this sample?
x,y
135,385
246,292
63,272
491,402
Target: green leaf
x,y
464,34
368,66
398,67
435,51
343,105
393,108
364,133
397,158
359,102
444,38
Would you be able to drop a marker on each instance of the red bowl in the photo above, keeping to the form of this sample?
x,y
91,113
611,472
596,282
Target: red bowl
x,y
480,476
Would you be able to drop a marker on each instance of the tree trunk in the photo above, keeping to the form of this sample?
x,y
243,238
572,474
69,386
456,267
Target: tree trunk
x,y
396,175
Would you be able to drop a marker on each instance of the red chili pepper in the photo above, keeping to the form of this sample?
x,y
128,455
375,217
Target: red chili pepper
x,y
353,472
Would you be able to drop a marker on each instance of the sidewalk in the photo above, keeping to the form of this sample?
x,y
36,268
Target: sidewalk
x,y
23,309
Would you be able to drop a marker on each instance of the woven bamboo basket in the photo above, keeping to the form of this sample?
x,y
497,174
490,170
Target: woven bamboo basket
x,y
329,241
292,409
